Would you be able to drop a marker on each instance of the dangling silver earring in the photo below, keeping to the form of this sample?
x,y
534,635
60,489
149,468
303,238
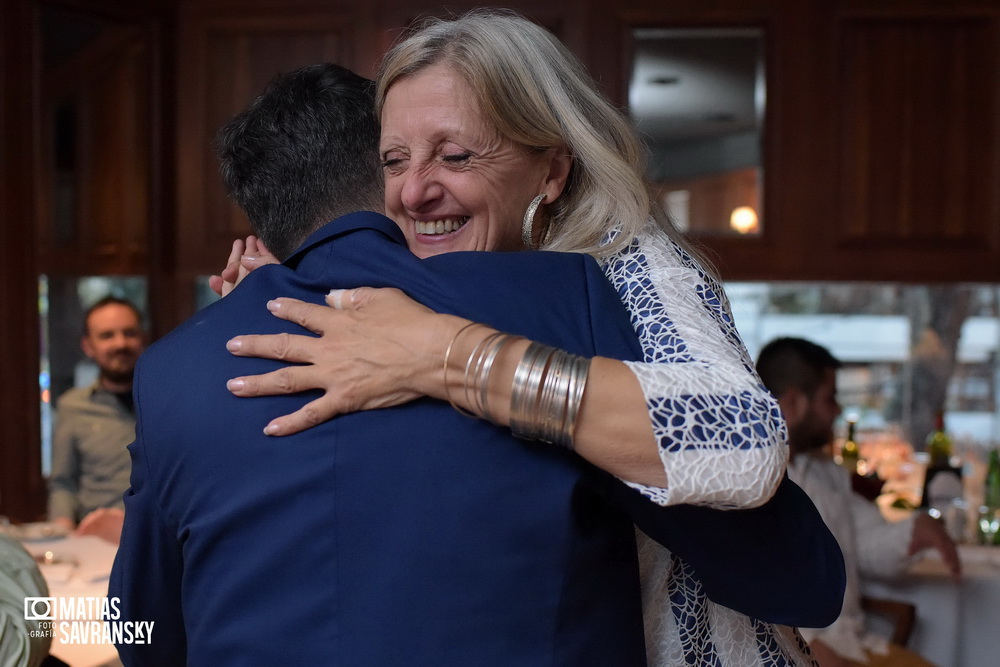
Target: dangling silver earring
x,y
529,221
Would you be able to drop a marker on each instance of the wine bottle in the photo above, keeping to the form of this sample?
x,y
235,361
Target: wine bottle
x,y
849,453
991,494
939,443
943,481
990,511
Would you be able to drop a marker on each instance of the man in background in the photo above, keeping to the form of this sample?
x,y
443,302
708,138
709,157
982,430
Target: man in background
x,y
95,424
803,377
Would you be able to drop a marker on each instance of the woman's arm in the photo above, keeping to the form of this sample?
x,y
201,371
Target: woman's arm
x,y
381,348
690,424
719,432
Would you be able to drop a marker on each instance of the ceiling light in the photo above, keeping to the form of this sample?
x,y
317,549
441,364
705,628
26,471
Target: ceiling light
x,y
743,220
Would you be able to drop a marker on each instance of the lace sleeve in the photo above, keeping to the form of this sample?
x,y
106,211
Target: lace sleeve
x,y
721,435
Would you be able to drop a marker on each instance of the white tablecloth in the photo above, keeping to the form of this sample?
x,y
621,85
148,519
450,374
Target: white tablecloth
x,y
958,624
80,568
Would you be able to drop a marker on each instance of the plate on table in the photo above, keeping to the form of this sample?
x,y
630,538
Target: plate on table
x,y
39,531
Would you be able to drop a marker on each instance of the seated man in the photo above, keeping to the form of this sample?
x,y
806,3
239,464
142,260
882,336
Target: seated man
x,y
802,376
95,424
408,535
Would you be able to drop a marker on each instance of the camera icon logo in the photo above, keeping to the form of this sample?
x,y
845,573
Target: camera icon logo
x,y
39,609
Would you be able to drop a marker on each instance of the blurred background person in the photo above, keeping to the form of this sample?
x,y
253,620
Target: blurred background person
x,y
95,424
803,377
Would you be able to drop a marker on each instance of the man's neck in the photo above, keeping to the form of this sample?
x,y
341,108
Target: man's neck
x,y
805,452
114,387
793,451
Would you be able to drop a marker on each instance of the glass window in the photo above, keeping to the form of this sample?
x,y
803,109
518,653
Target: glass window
x,y
905,349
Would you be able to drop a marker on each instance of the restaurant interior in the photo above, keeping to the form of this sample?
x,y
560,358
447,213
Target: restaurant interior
x,y
838,161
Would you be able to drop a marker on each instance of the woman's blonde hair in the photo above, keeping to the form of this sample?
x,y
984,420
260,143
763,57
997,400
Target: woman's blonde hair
x,y
539,95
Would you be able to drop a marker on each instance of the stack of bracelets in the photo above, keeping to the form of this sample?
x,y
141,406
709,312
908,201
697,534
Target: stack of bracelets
x,y
546,391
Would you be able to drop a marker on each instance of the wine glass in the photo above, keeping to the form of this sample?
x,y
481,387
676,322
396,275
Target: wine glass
x,y
989,524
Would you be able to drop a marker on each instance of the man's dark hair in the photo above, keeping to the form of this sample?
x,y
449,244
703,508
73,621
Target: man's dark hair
x,y
108,301
787,363
303,153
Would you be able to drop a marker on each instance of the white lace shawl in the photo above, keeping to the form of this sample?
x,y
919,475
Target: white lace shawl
x,y
721,435
722,441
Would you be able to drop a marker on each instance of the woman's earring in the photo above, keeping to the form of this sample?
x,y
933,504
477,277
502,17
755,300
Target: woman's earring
x,y
529,221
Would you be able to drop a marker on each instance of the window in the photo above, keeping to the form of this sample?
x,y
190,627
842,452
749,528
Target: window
x,y
904,348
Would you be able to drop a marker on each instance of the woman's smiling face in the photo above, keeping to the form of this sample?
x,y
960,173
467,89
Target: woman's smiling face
x,y
451,181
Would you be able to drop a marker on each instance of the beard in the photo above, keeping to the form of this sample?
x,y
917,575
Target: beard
x,y
119,367
809,436
118,376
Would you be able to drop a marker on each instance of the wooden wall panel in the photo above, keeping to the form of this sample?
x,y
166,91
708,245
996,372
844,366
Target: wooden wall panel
x,y
227,57
907,121
918,118
567,19
22,489
95,216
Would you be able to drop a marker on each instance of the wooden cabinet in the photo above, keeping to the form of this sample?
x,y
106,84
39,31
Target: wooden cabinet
x,y
914,128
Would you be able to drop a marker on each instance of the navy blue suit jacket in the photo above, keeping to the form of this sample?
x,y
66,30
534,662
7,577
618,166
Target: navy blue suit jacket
x,y
411,535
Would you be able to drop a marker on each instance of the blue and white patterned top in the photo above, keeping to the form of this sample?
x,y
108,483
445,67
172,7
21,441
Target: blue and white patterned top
x,y
722,441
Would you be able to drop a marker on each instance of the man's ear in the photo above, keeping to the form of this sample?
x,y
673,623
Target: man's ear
x,y
87,348
560,162
794,405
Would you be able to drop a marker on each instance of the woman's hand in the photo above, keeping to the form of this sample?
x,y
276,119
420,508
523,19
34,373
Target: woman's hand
x,y
376,348
104,522
244,257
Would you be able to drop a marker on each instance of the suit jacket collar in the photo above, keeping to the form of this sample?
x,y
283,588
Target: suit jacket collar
x,y
346,224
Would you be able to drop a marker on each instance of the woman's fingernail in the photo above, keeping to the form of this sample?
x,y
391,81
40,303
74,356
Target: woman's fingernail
x,y
271,429
335,298
273,305
249,258
235,385
234,344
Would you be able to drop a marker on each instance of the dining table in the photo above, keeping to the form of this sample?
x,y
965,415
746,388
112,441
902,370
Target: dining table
x,y
957,622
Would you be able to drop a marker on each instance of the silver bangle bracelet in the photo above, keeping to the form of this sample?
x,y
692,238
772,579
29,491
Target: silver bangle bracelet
x,y
483,377
546,394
